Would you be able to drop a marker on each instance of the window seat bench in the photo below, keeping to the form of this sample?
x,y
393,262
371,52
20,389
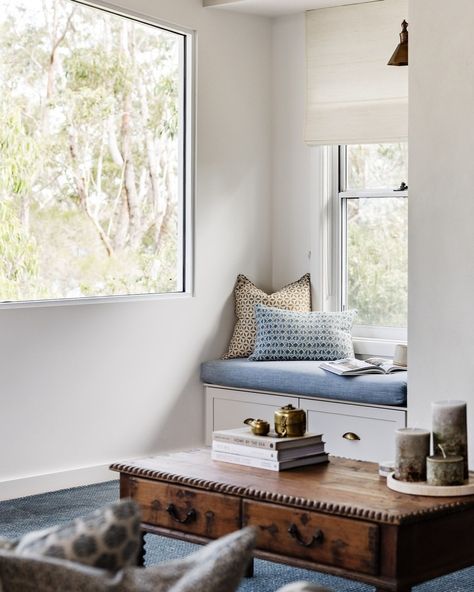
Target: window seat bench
x,y
368,407
307,379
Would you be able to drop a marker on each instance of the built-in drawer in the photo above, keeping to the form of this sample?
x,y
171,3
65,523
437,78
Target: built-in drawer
x,y
189,510
330,540
355,431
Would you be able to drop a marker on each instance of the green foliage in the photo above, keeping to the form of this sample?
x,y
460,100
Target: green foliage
x,y
165,107
76,90
18,261
377,260
377,165
18,150
377,228
94,79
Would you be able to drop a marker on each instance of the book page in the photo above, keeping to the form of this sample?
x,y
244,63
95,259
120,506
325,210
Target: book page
x,y
385,364
349,364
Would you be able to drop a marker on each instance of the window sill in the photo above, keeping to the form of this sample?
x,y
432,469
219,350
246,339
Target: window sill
x,y
364,346
85,300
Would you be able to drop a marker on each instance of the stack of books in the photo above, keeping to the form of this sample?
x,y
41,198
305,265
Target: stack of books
x,y
239,446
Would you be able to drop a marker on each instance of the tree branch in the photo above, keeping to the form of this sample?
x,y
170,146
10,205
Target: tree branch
x,y
81,185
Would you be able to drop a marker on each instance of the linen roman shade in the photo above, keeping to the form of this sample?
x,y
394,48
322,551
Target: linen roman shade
x,y
352,95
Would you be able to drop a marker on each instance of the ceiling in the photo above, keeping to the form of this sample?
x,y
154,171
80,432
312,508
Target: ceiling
x,y
277,7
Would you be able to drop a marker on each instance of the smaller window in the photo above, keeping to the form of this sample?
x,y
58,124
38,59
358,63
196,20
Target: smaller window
x,y
374,233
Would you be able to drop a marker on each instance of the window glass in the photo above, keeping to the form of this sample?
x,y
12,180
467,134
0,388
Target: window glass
x,y
374,241
375,166
91,147
377,260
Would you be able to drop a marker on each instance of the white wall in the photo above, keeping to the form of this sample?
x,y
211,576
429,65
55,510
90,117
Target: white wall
x,y
303,240
441,214
292,166
82,386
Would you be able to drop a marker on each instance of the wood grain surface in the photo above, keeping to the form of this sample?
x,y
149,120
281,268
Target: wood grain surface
x,y
343,487
341,542
211,515
339,518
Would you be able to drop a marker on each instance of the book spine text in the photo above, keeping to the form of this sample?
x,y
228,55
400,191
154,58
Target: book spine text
x,y
242,440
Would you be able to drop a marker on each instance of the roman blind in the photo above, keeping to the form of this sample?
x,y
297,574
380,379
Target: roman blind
x,y
353,97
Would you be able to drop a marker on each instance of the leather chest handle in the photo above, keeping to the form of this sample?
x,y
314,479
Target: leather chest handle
x,y
316,539
191,515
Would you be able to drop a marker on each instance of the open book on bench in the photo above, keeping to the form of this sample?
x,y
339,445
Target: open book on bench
x,y
353,366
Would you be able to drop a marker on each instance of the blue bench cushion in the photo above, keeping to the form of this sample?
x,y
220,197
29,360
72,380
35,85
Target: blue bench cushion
x,y
307,379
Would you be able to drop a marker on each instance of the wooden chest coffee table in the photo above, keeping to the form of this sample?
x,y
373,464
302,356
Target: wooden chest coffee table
x,y
339,518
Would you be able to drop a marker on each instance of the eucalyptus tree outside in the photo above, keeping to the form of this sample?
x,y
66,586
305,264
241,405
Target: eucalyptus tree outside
x,y
89,152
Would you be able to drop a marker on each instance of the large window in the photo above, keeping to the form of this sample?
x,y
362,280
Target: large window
x,y
94,153
373,233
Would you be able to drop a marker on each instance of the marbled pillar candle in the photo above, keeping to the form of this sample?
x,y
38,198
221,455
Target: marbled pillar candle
x,y
447,470
412,446
450,429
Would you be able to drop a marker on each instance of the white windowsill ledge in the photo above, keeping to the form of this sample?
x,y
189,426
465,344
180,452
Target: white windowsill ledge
x,y
364,346
94,300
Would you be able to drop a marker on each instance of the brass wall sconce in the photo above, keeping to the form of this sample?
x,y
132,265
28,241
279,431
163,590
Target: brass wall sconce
x,y
400,55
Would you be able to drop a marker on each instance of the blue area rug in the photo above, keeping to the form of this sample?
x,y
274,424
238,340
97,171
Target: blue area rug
x,y
41,511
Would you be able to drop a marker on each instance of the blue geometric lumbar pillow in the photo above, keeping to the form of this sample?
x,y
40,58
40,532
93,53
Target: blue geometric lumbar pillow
x,y
289,335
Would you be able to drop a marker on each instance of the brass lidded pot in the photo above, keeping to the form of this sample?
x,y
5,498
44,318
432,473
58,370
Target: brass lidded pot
x,y
290,422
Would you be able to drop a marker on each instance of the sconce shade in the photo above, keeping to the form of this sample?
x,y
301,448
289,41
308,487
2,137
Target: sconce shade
x,y
400,55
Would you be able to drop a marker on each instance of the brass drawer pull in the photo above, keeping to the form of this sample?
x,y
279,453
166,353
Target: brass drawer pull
x,y
190,516
317,538
350,436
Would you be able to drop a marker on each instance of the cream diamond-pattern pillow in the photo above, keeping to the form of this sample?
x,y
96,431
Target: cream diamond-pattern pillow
x,y
108,538
295,296
217,567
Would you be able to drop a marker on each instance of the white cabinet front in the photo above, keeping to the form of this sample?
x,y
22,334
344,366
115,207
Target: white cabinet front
x,y
355,431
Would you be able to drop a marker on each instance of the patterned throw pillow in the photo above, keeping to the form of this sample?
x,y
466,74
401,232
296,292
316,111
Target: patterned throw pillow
x,y
295,296
108,538
218,567
287,335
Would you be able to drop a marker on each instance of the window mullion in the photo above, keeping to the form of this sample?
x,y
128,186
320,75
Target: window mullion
x,y
373,194
343,259
342,168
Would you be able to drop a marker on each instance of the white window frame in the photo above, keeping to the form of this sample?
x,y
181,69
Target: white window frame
x,y
327,270
187,155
